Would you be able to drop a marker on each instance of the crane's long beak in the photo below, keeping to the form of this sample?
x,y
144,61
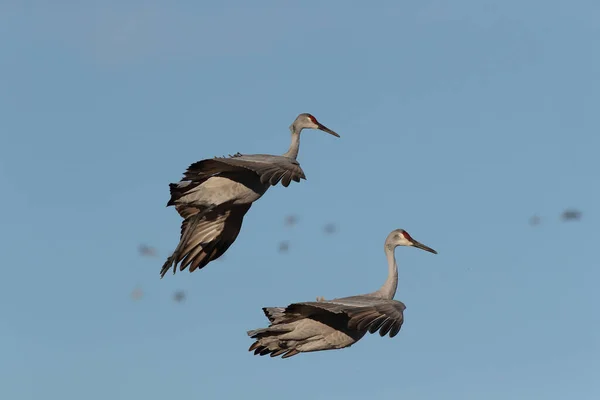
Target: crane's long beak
x,y
423,247
326,129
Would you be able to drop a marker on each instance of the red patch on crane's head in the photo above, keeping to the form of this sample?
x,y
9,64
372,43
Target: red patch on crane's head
x,y
407,236
313,119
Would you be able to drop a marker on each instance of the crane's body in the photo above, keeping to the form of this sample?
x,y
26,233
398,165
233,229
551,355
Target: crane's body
x,y
221,190
338,323
215,194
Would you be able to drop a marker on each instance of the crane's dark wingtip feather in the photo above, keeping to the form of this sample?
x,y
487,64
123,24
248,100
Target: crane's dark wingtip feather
x,y
173,192
163,272
386,327
264,351
265,311
177,191
290,353
396,329
260,350
197,166
254,346
166,266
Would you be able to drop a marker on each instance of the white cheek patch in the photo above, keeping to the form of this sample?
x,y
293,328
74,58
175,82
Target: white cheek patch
x,y
404,241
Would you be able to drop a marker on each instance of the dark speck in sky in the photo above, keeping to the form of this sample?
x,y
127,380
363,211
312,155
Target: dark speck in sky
x,y
571,215
291,220
330,228
284,246
179,296
146,250
535,220
137,294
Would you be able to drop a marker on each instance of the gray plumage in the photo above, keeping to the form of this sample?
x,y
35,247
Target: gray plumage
x,y
338,323
214,195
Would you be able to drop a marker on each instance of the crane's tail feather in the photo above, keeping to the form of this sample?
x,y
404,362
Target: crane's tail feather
x,y
271,340
260,350
290,353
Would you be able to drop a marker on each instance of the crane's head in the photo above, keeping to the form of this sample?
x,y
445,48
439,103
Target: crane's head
x,y
306,120
400,237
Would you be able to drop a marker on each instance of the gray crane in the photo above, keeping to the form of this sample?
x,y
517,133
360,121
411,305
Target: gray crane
x,y
338,323
214,195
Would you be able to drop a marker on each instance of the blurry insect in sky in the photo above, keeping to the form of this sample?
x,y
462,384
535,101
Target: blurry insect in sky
x,y
137,294
291,220
179,296
571,215
146,250
330,228
284,246
535,220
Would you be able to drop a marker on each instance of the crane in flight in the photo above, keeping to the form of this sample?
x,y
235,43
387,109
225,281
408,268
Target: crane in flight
x,y
338,323
214,195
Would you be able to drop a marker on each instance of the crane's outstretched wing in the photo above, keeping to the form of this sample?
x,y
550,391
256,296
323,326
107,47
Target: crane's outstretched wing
x,y
371,314
210,237
383,317
271,169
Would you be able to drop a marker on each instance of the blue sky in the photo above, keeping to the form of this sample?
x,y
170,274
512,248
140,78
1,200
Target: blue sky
x,y
458,122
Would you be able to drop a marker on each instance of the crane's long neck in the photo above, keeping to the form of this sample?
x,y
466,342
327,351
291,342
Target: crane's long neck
x,y
388,290
295,146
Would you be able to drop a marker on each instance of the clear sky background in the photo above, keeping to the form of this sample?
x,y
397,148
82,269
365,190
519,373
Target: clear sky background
x,y
458,121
